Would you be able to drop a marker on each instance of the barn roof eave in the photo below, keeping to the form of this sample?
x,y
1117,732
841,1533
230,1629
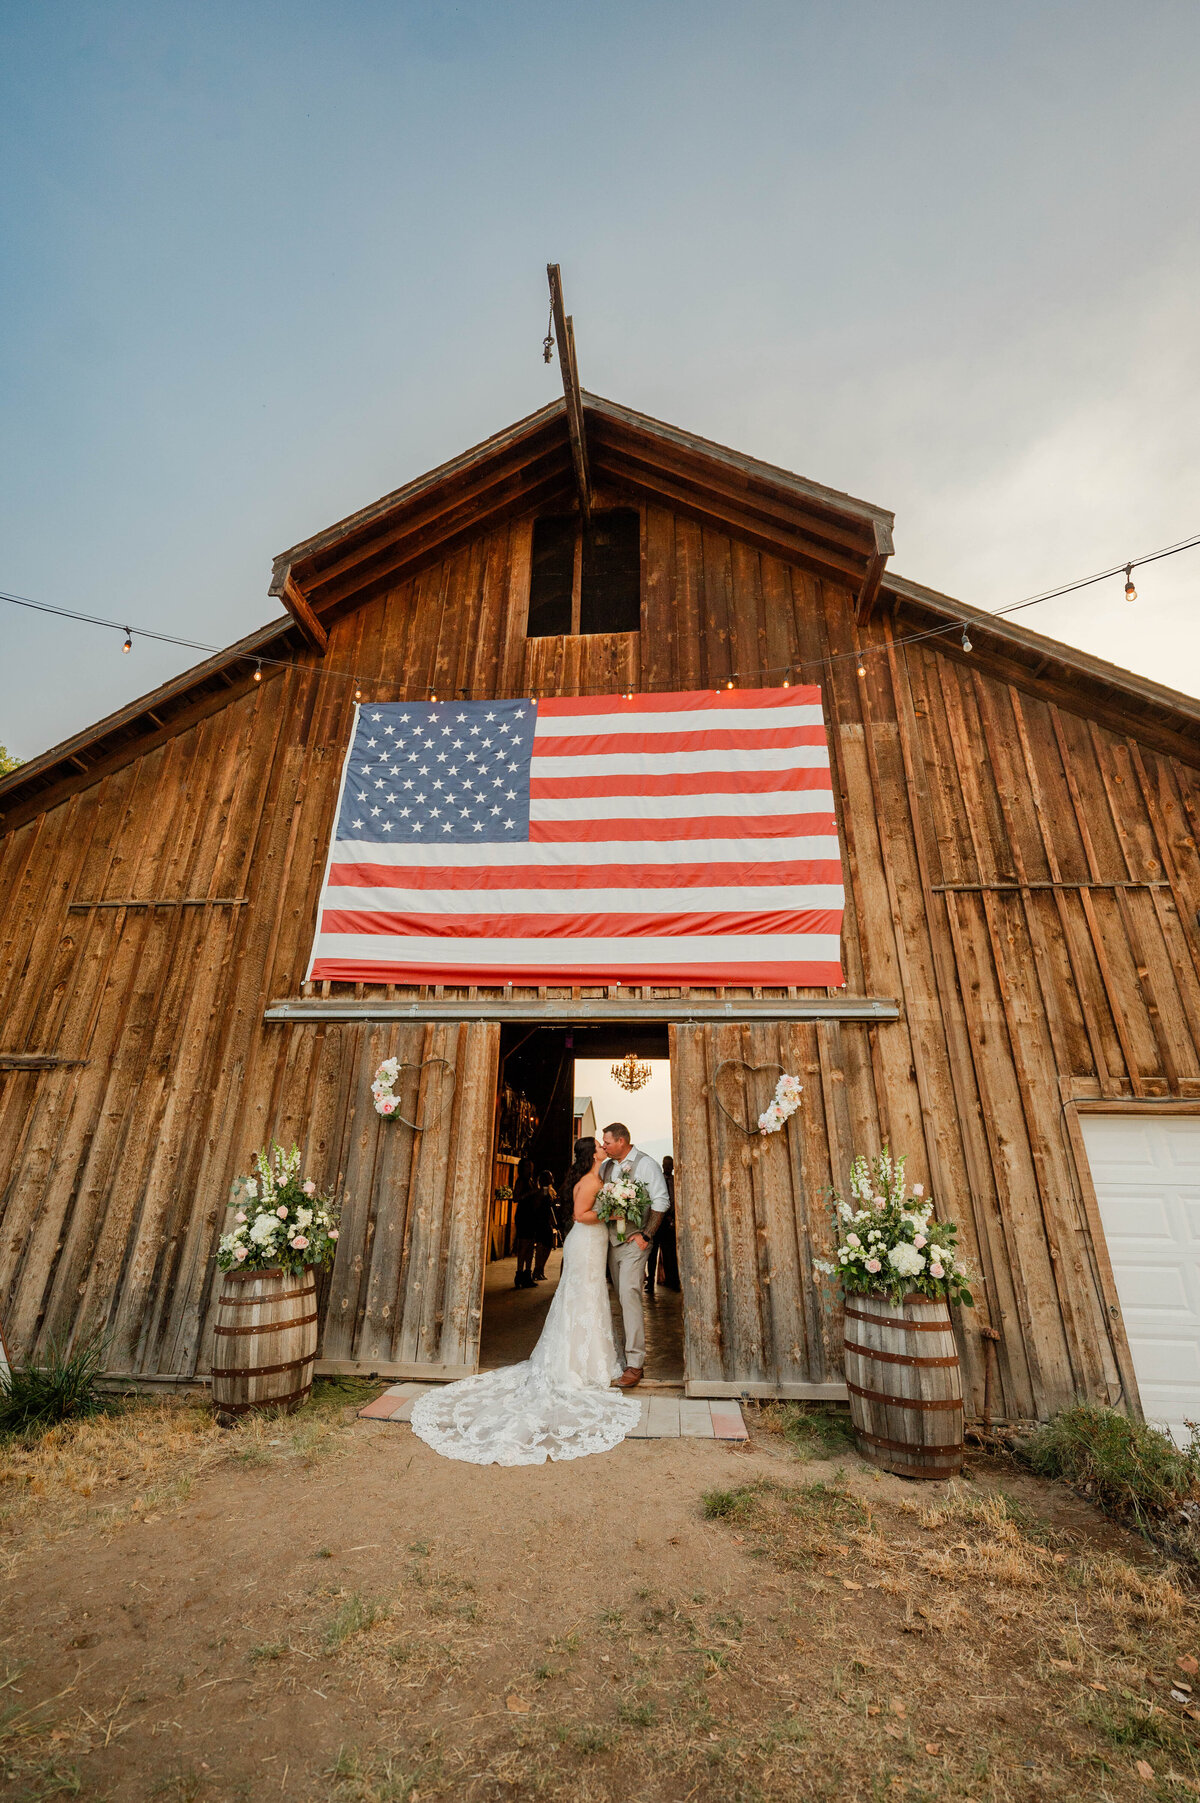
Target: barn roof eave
x,y
527,468
1116,697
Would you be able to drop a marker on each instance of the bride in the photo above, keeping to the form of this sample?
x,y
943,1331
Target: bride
x,y
556,1404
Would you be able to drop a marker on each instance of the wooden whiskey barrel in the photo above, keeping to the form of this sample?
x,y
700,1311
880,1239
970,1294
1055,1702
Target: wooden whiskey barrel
x,y
905,1385
266,1341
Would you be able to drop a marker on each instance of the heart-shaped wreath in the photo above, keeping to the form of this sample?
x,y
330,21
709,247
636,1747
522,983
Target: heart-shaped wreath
x,y
780,1108
387,1103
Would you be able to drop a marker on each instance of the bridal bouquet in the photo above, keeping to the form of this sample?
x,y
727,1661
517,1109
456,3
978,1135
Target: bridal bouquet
x,y
625,1201
887,1240
280,1223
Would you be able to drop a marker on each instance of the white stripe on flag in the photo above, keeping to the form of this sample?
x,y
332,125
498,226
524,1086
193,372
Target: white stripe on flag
x,y
684,763
679,807
607,954
698,718
792,900
596,854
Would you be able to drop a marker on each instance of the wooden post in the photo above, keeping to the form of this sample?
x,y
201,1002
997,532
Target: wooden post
x,y
564,331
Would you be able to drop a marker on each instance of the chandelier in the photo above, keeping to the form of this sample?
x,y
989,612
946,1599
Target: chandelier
x,y
630,1074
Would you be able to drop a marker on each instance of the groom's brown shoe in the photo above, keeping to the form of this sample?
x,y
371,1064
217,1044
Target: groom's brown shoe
x,y
631,1375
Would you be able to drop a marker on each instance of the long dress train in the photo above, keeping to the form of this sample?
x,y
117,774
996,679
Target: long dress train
x,y
556,1404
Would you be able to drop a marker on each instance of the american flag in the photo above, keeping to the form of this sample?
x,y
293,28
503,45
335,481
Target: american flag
x,y
668,839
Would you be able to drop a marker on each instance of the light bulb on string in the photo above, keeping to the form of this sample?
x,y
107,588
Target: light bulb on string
x,y
729,684
1130,591
128,645
966,642
862,668
433,698
257,670
357,692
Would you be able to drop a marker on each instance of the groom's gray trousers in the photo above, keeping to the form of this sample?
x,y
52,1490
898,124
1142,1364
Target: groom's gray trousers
x,y
627,1264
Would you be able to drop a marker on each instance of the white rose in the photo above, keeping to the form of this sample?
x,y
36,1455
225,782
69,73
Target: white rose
x,y
264,1229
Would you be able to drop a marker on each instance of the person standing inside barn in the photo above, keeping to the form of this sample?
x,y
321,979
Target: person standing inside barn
x,y
627,1262
664,1248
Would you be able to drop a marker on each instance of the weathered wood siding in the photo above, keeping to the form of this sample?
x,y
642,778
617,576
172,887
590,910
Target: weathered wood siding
x,y
1024,881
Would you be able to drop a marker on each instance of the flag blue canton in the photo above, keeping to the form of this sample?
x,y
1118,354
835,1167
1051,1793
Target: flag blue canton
x,y
444,772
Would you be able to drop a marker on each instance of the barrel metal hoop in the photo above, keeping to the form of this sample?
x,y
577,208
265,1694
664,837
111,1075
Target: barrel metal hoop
x,y
893,1321
903,1402
950,1449
263,1370
237,1276
264,1402
267,1326
257,1301
897,1358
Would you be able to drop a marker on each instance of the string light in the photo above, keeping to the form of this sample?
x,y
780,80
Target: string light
x,y
966,643
792,670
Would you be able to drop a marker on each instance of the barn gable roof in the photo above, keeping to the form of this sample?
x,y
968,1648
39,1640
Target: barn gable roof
x,y
528,468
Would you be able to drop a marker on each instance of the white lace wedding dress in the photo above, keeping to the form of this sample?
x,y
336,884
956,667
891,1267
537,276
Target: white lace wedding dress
x,y
556,1404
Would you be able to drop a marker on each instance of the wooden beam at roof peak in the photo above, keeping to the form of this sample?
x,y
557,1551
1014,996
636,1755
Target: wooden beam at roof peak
x,y
564,332
868,594
293,598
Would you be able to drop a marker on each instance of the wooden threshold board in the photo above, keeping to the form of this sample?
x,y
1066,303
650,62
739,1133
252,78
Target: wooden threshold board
x,y
663,1416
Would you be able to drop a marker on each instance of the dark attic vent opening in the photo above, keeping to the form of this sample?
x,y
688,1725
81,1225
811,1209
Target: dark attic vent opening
x,y
595,586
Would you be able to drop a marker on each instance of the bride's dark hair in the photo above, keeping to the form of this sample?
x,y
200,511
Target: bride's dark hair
x,y
585,1152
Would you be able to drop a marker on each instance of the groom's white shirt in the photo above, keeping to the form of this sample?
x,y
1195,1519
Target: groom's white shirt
x,y
641,1166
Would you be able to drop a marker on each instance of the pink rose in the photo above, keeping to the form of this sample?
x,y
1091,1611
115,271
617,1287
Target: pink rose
x,y
920,1241
873,1265
299,1242
936,1271
240,1216
281,1211
388,1105
240,1251
333,1233
309,1188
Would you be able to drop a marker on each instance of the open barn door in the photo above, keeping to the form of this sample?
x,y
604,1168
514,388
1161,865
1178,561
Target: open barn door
x,y
406,1295
747,1213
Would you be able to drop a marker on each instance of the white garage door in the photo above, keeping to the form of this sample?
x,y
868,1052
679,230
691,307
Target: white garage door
x,y
1147,1177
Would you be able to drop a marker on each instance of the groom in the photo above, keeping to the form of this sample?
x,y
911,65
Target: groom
x,y
627,1263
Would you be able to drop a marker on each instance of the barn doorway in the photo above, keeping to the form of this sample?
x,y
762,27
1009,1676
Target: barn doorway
x,y
555,1083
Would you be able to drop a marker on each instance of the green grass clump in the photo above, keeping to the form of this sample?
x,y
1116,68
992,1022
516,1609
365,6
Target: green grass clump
x,y
813,1430
63,1388
1129,1469
355,1614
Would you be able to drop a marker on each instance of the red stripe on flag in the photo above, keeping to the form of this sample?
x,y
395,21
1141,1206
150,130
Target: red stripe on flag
x,y
681,701
594,876
610,744
744,826
578,926
692,782
813,975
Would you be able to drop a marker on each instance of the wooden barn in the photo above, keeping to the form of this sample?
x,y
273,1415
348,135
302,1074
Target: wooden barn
x,y
1021,1012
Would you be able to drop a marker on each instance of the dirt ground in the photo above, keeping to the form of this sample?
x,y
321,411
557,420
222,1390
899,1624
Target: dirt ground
x,y
321,1608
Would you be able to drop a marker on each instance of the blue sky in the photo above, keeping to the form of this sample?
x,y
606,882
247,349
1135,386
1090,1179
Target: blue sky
x,y
265,262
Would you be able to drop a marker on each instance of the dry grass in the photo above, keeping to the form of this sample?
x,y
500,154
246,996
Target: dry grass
x,y
143,1458
832,1639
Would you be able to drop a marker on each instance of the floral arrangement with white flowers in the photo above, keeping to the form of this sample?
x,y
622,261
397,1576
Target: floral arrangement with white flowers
x,y
888,1241
783,1104
280,1223
625,1201
383,1087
